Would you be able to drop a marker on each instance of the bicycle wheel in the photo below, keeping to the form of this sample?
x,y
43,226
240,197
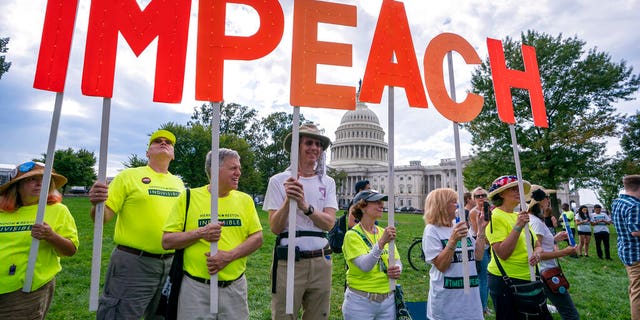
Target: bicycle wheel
x,y
416,256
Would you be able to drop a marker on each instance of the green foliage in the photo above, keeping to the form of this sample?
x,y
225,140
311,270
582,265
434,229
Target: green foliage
x,y
134,161
4,66
579,90
76,166
193,142
630,143
598,287
272,156
338,175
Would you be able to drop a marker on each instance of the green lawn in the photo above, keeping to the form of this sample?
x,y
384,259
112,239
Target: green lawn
x,y
599,288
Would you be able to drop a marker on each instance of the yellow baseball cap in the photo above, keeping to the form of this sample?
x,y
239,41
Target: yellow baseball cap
x,y
163,134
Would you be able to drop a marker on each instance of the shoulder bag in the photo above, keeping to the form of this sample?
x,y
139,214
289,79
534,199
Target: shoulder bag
x,y
529,299
555,280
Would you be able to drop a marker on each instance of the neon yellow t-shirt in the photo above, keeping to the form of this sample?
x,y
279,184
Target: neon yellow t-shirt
x,y
141,199
374,281
571,217
517,266
15,243
240,218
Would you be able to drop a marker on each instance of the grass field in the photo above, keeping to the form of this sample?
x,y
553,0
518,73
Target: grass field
x,y
598,287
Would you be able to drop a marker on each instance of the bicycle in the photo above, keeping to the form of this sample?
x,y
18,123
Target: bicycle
x,y
416,256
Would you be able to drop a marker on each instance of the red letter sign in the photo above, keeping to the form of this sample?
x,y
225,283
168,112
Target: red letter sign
x,y
214,47
308,52
504,79
434,77
166,20
55,46
392,35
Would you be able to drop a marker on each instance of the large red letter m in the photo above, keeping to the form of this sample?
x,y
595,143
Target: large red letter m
x,y
166,19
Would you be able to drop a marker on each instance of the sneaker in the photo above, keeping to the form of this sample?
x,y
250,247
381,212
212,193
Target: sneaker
x,y
552,308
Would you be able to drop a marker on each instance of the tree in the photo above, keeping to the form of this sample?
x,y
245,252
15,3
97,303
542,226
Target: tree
x,y
579,92
271,155
135,161
77,167
338,175
630,144
4,66
234,119
193,144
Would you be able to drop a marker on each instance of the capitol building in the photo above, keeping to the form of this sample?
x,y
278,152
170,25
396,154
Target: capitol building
x,y
360,151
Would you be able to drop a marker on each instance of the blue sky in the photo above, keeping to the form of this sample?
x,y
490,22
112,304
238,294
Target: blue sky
x,y
264,84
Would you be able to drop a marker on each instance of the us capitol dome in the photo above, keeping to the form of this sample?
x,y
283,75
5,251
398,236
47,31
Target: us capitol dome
x,y
360,151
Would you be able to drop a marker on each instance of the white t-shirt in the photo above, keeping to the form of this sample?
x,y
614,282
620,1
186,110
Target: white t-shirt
x,y
548,242
319,194
600,220
446,290
585,227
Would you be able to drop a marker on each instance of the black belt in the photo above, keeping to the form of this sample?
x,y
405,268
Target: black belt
x,y
315,253
221,284
144,253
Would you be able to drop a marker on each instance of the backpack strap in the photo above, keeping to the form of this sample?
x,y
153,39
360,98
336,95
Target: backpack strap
x,y
187,210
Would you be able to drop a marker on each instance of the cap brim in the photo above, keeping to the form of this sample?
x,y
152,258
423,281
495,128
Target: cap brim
x,y
163,134
378,197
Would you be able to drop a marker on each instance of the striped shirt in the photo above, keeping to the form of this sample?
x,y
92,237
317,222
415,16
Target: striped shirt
x,y
626,218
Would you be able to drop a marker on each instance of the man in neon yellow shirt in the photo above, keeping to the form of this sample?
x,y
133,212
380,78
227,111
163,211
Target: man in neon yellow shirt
x,y
140,199
572,222
238,234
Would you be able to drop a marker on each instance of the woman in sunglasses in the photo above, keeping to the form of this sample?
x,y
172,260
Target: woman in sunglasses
x,y
58,237
481,209
366,251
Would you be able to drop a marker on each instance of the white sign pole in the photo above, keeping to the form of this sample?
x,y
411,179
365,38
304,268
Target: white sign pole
x,y
98,225
523,204
215,165
391,193
293,207
44,190
461,214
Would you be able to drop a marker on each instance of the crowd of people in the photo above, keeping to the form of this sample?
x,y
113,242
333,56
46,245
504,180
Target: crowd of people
x,y
155,215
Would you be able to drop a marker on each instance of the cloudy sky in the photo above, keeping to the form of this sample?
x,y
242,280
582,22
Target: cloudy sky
x,y
420,134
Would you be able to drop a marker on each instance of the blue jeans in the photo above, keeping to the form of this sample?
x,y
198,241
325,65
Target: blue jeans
x,y
562,302
356,307
481,266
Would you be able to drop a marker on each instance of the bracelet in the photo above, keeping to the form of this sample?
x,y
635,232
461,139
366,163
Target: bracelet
x,y
452,248
481,236
516,228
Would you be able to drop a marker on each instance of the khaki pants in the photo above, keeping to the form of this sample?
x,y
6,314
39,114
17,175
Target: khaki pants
x,y
312,289
32,305
195,300
633,271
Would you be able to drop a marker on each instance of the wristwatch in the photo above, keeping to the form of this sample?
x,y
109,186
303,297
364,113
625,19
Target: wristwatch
x,y
309,211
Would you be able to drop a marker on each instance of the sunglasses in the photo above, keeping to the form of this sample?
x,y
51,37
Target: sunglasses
x,y
480,196
25,167
310,143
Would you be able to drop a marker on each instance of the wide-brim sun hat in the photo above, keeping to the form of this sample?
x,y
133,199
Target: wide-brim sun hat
x,y
503,183
308,130
163,134
369,196
30,169
537,194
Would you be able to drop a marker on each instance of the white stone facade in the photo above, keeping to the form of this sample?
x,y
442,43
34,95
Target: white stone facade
x,y
360,150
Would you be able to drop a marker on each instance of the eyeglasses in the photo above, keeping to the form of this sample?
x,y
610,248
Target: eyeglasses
x,y
25,167
310,143
480,196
